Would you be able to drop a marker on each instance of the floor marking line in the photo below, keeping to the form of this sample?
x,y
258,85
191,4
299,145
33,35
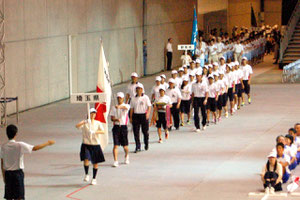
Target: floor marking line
x,y
69,195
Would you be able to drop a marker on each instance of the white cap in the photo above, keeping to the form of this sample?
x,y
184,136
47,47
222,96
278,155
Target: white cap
x,y
162,88
205,66
221,72
134,74
174,72
237,63
222,57
198,73
232,64
139,85
163,76
184,66
215,64
244,58
198,61
93,110
185,79
192,74
210,66
158,78
120,94
215,74
180,69
210,76
171,80
229,65
272,154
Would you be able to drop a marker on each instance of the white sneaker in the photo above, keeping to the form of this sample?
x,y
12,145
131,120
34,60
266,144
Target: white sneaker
x,y
267,190
160,141
204,127
235,107
94,182
86,178
272,190
127,160
116,164
226,115
197,130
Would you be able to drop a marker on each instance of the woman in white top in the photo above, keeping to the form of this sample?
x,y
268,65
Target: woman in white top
x,y
90,148
155,89
185,106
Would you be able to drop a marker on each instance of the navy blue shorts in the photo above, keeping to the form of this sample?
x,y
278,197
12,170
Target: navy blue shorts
x,y
120,135
161,122
230,94
92,153
14,185
211,104
185,106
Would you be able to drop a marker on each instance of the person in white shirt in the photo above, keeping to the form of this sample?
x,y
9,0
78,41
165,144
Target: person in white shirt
x,y
12,163
297,140
222,67
131,88
192,67
175,95
90,148
198,66
212,52
192,77
185,106
284,160
213,95
199,101
159,114
238,50
231,86
119,117
180,75
169,50
215,67
185,71
163,81
247,73
238,85
140,108
271,174
177,80
155,89
224,84
291,149
220,48
221,88
185,58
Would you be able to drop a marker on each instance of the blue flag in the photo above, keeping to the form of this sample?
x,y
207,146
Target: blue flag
x,y
195,31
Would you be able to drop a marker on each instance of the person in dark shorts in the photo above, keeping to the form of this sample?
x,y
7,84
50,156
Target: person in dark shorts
x,y
213,95
119,117
90,148
231,86
247,73
12,163
185,106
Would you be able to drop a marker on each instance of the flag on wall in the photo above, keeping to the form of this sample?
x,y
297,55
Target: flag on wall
x,y
195,31
103,86
253,18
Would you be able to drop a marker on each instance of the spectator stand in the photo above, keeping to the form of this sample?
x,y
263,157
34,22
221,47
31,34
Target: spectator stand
x,y
4,115
291,72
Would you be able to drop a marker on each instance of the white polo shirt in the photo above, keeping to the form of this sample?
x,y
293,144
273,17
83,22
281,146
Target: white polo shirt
x,y
169,47
212,49
165,99
231,79
131,89
186,92
240,75
166,85
155,90
220,86
174,94
88,132
220,47
247,71
200,89
12,153
212,90
222,68
238,48
140,104
121,114
178,82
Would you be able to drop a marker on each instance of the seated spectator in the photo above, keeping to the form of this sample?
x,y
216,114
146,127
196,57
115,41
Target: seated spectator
x,y
297,140
291,151
272,175
284,160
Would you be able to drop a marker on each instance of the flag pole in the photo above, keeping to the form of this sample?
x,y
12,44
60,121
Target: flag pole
x,y
70,65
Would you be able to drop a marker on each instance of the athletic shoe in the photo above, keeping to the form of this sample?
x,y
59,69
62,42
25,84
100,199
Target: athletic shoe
x,y
127,160
235,107
267,190
86,178
204,127
226,115
219,119
188,122
243,103
160,141
215,121
94,182
239,107
137,150
181,124
249,100
167,135
177,128
197,130
207,124
272,190
116,164
146,147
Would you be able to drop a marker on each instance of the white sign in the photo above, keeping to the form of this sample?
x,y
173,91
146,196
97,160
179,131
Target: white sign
x,y
88,98
186,47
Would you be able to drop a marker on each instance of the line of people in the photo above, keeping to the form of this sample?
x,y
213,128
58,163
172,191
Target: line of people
x,y
282,160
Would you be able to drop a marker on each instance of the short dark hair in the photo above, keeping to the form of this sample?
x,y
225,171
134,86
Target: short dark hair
x,y
293,130
169,39
280,145
290,137
11,131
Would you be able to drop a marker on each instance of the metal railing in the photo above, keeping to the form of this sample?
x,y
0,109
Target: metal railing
x,y
291,72
289,30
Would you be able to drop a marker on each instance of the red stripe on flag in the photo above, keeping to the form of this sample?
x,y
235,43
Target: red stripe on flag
x,y
101,109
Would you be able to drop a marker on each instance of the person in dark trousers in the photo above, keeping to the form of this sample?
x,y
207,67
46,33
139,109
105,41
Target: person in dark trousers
x,y
139,117
199,99
12,163
175,95
169,50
